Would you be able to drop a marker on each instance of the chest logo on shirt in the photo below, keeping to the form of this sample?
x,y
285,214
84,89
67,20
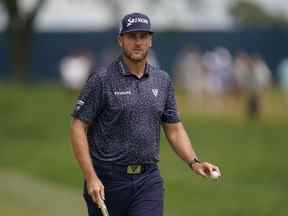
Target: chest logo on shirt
x,y
155,92
122,92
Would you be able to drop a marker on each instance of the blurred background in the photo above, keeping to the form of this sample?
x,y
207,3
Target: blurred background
x,y
229,63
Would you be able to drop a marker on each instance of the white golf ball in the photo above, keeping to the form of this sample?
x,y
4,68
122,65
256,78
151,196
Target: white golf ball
x,y
214,174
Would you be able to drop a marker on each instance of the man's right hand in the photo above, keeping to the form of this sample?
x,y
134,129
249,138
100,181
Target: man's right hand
x,y
95,189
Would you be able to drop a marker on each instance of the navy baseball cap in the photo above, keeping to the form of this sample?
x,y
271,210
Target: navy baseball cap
x,y
135,22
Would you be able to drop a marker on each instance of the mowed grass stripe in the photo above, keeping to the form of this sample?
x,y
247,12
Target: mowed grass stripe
x,y
27,196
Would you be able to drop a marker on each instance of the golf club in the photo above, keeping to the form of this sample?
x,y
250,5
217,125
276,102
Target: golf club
x,y
103,208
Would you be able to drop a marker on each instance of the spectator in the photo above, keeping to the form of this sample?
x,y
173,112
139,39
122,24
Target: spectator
x,y
213,88
189,74
241,70
75,70
223,67
262,73
258,80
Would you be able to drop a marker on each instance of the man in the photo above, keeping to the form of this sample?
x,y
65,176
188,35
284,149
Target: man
x,y
115,131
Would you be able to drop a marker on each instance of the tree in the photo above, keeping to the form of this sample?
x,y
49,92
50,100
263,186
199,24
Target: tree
x,y
20,29
248,13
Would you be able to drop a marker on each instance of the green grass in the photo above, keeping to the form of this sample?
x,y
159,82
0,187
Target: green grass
x,y
24,195
34,142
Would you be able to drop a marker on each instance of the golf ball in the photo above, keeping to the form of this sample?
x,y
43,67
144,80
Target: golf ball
x,y
214,174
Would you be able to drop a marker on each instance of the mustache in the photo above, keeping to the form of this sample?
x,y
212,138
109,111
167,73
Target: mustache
x,y
129,55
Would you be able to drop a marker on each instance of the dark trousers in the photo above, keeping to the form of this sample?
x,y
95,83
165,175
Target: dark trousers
x,y
129,194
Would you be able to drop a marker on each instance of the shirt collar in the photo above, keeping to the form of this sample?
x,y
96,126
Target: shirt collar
x,y
125,71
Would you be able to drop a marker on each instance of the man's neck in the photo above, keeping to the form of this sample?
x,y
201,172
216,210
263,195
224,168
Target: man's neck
x,y
136,68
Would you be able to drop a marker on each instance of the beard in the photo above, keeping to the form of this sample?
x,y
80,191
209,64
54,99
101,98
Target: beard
x,y
135,57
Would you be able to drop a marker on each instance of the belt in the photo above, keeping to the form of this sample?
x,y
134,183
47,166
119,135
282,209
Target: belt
x,y
132,169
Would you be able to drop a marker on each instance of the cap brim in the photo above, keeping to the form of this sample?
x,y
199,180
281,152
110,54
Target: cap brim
x,y
136,30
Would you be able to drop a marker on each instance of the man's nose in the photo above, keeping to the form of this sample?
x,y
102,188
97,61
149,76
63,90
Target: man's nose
x,y
138,40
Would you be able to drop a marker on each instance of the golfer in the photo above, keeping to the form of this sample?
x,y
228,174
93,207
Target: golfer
x,y
115,129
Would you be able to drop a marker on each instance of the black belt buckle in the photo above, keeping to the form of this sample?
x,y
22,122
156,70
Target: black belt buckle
x,y
135,169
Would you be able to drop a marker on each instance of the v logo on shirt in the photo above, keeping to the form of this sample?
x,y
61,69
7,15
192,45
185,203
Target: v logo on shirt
x,y
155,92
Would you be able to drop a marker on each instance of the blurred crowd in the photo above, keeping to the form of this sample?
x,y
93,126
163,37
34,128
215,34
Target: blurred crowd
x,y
209,77
206,78
216,73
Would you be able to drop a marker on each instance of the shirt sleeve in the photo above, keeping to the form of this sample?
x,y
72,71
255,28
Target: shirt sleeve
x,y
170,114
90,101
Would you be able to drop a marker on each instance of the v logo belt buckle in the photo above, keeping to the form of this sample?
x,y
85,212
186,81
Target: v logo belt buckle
x,y
134,169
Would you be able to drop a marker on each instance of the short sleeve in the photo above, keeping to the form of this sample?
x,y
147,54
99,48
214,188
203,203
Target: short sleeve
x,y
170,114
90,101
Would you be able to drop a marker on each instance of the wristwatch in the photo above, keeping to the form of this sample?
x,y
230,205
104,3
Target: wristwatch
x,y
195,160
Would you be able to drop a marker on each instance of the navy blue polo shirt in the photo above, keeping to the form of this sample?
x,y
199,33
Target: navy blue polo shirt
x,y
125,113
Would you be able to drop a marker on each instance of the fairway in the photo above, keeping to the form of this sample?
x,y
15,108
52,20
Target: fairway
x,y
39,176
23,195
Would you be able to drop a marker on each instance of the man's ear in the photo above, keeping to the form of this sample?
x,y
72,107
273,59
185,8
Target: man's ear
x,y
120,42
150,43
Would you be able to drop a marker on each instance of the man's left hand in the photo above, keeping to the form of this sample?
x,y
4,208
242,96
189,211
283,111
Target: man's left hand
x,y
204,169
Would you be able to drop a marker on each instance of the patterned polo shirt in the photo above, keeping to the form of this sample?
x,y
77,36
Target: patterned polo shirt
x,y
125,113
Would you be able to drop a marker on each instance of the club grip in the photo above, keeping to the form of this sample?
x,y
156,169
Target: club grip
x,y
103,208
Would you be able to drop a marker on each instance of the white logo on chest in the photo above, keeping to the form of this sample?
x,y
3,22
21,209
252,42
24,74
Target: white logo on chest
x,y
122,93
155,92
